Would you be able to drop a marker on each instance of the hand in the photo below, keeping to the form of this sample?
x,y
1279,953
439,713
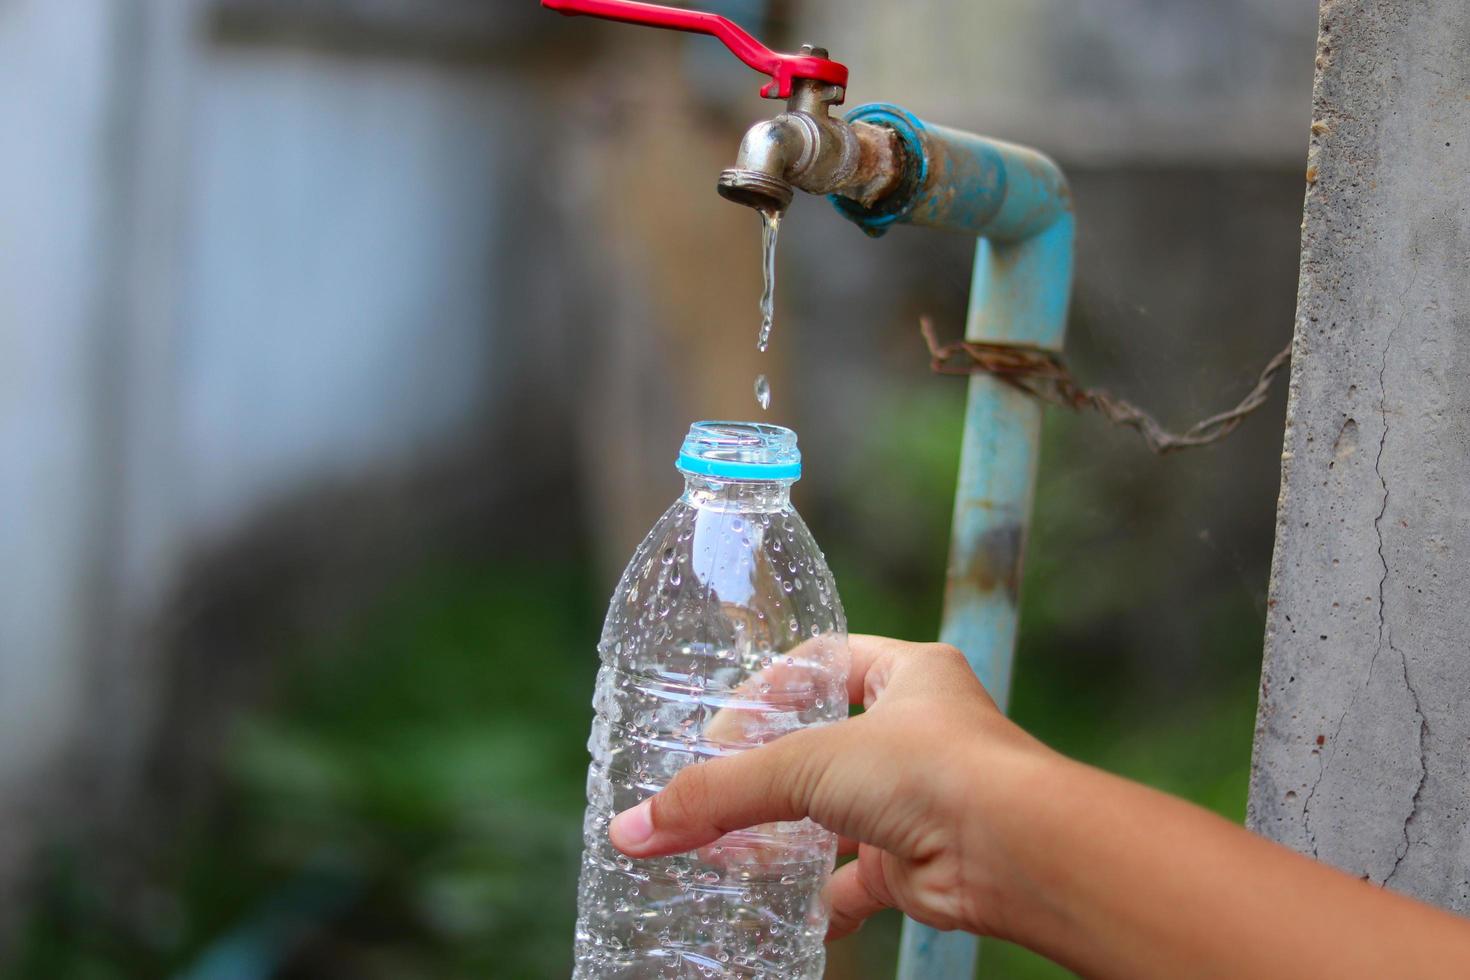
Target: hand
x,y
963,821
906,784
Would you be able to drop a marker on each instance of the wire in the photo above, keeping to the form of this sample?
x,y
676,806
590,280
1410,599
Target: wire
x,y
1043,375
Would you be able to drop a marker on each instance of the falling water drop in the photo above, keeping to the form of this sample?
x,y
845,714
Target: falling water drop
x,y
763,392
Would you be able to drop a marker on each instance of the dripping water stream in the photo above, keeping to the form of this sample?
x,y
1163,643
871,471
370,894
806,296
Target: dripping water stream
x,y
770,228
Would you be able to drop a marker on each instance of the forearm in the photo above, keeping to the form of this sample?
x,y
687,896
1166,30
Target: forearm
x,y
1117,880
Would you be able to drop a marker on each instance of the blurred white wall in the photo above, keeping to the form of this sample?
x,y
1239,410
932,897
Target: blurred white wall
x,y
228,271
55,61
341,284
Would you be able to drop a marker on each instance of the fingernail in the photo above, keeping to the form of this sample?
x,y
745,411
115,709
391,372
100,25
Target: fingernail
x,y
632,828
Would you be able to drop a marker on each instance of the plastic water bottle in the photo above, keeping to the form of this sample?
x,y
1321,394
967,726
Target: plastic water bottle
x,y
724,633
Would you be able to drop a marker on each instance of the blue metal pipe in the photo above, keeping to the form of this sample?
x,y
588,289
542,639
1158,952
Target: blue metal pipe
x,y
1016,202
957,181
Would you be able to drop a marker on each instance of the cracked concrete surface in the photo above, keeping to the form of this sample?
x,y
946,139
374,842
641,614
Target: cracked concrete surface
x,y
1362,753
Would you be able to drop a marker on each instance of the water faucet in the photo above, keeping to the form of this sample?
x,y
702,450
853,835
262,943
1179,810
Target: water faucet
x,y
804,147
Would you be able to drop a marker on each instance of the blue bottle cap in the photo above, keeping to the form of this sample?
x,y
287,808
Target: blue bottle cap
x,y
740,451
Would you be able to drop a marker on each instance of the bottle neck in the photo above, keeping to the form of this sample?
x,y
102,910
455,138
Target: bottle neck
x,y
755,496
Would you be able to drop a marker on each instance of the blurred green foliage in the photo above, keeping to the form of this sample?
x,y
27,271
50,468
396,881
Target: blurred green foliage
x,y
407,801
408,804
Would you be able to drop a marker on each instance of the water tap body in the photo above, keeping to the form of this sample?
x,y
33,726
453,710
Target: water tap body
x,y
805,148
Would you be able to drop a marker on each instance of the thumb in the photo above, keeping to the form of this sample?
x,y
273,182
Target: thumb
x,y
703,802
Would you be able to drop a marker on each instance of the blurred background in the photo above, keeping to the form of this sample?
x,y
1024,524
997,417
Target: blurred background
x,y
345,347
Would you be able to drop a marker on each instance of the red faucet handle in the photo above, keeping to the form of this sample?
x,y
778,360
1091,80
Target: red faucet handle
x,y
783,68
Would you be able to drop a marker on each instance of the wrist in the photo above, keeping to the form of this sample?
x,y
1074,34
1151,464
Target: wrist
x,y
1013,780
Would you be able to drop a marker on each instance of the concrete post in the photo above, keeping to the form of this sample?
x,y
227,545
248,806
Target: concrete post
x,y
1362,752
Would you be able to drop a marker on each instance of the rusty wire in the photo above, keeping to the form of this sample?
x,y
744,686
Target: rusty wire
x,y
1043,375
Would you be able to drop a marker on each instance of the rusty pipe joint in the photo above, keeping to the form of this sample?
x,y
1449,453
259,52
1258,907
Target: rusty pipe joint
x,y
804,148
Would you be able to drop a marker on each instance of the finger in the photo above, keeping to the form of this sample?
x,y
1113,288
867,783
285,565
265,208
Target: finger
x,y
880,664
871,658
934,671
855,892
846,846
706,801
797,680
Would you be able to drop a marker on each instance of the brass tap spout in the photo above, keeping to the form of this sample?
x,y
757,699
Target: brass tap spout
x,y
805,148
